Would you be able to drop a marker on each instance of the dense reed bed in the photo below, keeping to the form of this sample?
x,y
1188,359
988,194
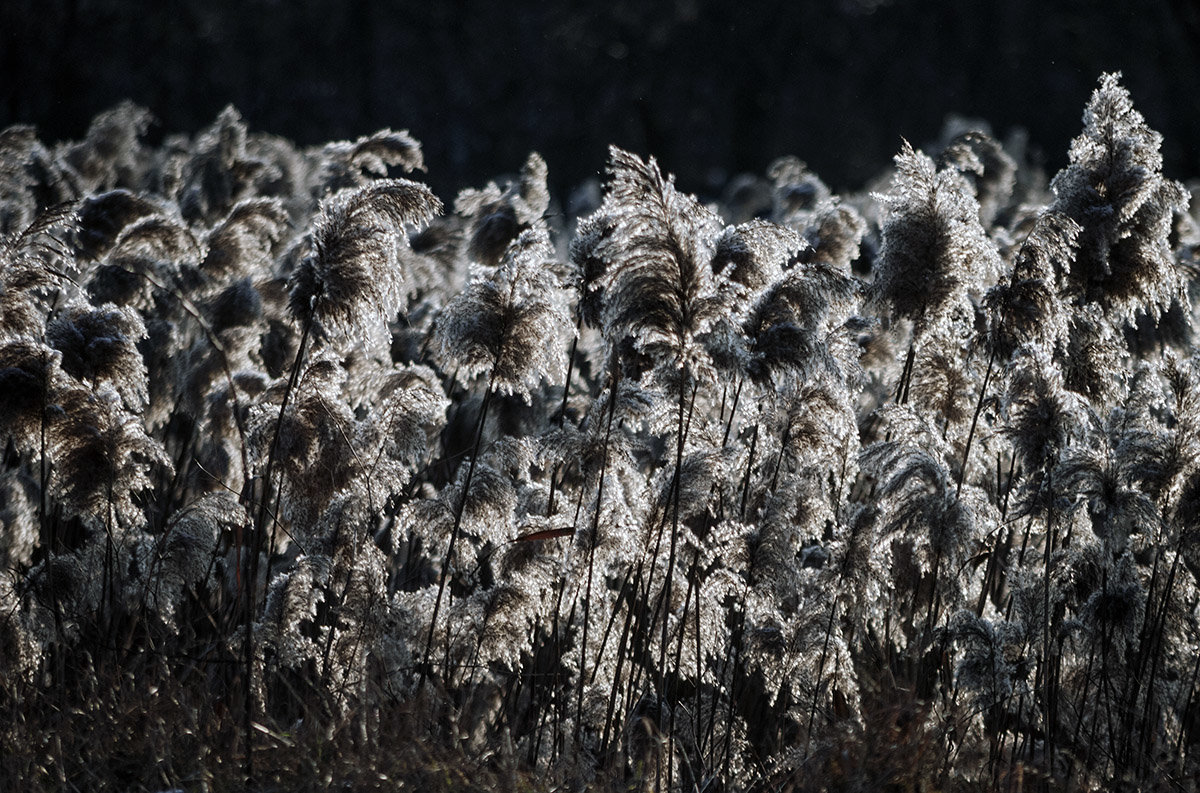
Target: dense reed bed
x,y
313,478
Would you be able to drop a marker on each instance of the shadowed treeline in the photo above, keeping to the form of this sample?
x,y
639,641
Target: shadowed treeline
x,y
711,88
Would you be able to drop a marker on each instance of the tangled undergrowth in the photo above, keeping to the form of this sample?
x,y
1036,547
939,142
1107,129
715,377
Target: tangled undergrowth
x,y
309,480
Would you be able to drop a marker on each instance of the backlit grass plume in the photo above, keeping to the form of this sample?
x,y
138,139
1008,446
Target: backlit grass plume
x,y
658,287
30,377
102,456
30,261
1115,190
495,216
352,273
99,345
1026,308
506,321
357,163
289,490
243,242
933,245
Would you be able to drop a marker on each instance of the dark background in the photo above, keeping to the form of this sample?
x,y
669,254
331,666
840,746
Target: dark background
x,y
711,88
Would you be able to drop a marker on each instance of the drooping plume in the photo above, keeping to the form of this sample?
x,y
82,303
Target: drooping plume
x,y
1025,308
658,287
505,322
102,455
496,217
30,262
29,378
352,273
242,243
356,163
99,345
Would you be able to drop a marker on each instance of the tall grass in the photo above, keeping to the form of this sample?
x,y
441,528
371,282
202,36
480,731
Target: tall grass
x,y
308,481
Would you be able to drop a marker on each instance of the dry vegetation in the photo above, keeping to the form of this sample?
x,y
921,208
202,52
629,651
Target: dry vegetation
x,y
309,481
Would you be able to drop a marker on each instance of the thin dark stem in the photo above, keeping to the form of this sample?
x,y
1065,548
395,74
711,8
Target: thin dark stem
x,y
987,376
1046,658
693,583
812,711
783,444
1155,648
679,442
268,493
737,395
258,531
448,557
107,594
591,541
562,412
48,538
906,373
746,475
931,616
616,686
562,409
1187,708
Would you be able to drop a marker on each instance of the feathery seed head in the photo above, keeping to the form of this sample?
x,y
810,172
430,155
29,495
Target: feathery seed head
x,y
242,243
933,243
352,273
506,320
1114,189
658,285
102,454
99,345
346,164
